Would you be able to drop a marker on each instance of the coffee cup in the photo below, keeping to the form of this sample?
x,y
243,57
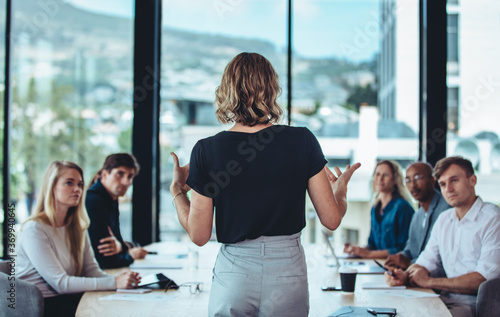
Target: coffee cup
x,y
348,278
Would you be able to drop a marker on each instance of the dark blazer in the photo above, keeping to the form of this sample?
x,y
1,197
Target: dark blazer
x,y
103,212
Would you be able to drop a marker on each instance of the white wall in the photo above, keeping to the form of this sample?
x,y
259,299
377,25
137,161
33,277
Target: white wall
x,y
479,63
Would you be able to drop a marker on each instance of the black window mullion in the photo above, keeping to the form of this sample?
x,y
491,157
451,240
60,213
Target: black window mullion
x,y
145,135
6,131
433,90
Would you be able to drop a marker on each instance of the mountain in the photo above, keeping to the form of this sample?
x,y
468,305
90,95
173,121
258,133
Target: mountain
x,y
84,46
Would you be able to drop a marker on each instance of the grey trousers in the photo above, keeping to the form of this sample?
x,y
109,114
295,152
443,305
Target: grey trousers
x,y
262,277
460,305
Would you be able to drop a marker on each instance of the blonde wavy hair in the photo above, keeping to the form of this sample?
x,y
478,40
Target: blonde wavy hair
x,y
76,221
399,188
248,91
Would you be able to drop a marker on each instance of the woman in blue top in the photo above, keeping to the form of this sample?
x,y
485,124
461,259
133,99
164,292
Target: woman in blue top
x,y
255,176
391,214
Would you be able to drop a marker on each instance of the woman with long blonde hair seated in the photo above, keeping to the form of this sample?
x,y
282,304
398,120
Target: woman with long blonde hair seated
x,y
391,214
54,250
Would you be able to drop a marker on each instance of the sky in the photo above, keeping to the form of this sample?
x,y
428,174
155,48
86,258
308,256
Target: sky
x,y
321,28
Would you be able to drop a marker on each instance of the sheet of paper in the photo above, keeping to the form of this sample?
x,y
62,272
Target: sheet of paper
x,y
381,285
164,256
146,264
149,297
406,293
134,290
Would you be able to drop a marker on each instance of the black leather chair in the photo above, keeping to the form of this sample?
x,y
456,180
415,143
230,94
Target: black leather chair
x,y
488,299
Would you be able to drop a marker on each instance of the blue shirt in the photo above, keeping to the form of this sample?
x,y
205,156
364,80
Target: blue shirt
x,y
389,230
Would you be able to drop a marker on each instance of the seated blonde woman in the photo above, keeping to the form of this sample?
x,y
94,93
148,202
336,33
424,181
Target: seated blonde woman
x,y
390,215
54,250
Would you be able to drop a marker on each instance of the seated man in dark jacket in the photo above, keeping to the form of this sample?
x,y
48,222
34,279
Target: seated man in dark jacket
x,y
111,182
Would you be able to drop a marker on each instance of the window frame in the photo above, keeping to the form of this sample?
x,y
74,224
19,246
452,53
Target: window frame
x,y
145,145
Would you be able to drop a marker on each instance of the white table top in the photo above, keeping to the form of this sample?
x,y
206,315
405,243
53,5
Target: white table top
x,y
182,303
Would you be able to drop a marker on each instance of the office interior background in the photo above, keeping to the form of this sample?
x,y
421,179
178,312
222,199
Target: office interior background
x,y
404,80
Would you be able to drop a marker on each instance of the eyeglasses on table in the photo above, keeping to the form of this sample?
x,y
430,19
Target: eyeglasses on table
x,y
194,287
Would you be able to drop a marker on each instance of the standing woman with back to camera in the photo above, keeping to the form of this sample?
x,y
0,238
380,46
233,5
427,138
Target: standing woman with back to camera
x,y
256,176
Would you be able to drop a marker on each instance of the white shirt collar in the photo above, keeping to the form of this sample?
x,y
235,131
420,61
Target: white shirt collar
x,y
472,213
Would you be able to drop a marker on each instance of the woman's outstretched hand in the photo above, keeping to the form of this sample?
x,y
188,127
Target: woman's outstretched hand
x,y
179,178
339,182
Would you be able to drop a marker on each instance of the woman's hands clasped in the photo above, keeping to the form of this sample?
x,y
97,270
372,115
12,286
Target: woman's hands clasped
x,y
127,279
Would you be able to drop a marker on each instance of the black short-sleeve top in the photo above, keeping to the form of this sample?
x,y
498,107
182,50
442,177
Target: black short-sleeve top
x,y
257,181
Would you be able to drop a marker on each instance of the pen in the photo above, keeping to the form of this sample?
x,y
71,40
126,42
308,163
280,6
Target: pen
x,y
152,252
390,272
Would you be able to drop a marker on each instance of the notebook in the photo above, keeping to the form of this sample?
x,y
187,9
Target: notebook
x,y
382,285
365,267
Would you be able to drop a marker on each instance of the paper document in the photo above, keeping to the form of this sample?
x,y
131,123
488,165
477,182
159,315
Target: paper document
x,y
134,290
166,256
406,293
382,285
149,297
145,264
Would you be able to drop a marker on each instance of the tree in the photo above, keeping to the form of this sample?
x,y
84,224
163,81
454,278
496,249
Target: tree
x,y
359,95
24,141
45,129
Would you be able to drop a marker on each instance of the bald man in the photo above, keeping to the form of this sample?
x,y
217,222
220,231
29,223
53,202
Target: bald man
x,y
420,184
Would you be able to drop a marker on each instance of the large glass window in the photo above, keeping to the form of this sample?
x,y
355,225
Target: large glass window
x,y
355,85
71,90
199,38
476,90
354,75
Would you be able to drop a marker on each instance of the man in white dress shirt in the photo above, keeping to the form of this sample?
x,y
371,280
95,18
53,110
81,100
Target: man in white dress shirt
x,y
465,242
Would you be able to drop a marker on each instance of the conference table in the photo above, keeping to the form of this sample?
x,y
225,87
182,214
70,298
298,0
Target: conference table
x,y
188,266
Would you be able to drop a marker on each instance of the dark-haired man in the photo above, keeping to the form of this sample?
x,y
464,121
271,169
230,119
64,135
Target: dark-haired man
x,y
420,184
465,242
111,182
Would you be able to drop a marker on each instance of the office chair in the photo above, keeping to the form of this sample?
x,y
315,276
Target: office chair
x,y
488,298
28,298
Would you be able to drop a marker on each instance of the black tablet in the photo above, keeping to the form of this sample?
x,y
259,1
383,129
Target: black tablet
x,y
157,281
